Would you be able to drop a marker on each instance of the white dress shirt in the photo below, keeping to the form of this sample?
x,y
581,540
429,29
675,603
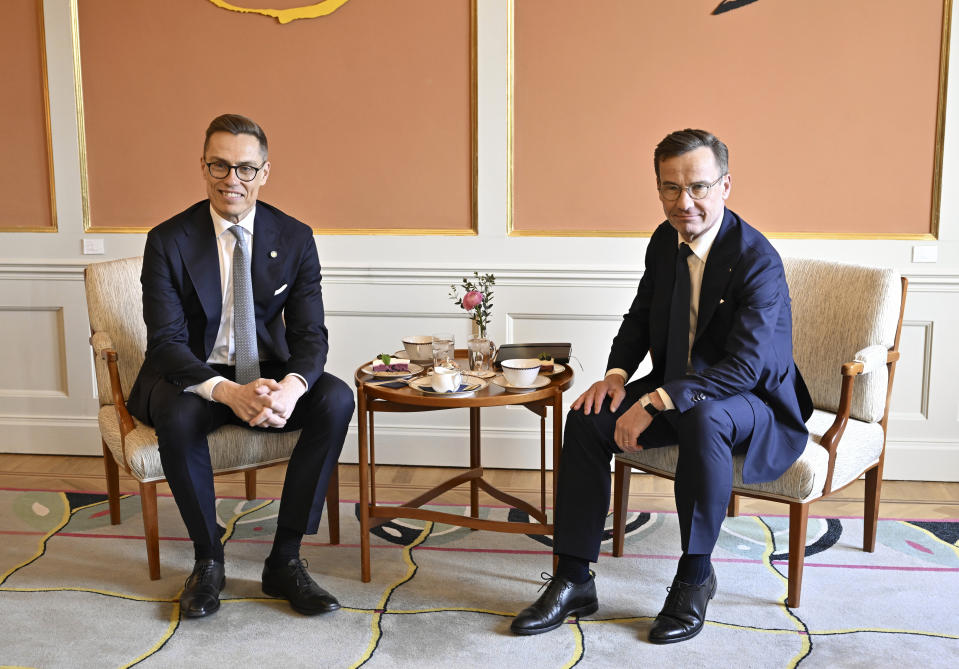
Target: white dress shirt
x,y
224,351
697,265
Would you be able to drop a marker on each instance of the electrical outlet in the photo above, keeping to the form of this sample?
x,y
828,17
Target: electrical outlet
x,y
93,247
925,253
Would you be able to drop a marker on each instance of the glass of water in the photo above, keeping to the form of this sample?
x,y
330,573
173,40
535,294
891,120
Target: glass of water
x,y
443,347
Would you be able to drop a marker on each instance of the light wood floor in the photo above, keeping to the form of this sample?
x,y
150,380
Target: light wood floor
x,y
900,499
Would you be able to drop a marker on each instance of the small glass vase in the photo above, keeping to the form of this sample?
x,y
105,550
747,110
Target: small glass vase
x,y
480,351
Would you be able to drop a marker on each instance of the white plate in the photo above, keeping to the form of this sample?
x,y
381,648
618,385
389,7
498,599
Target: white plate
x,y
424,384
414,369
557,368
539,382
402,354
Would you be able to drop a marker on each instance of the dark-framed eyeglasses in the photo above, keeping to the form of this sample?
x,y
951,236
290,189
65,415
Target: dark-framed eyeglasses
x,y
697,191
220,170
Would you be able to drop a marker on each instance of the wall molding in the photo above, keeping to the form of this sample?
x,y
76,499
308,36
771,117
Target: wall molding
x,y
525,275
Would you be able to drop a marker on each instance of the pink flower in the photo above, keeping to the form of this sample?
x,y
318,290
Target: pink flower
x,y
472,299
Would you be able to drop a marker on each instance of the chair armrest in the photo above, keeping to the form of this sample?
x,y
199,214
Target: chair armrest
x,y
116,391
872,358
101,341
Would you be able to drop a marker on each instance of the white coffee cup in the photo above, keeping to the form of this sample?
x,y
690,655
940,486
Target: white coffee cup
x,y
446,379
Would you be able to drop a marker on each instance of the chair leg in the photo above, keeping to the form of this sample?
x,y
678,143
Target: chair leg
x,y
151,528
333,505
733,510
113,483
871,515
798,518
250,476
621,478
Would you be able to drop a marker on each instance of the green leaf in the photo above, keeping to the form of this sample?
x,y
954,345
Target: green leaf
x,y
384,358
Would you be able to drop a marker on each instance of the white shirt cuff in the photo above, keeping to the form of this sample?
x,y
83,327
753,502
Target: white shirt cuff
x,y
618,372
666,399
205,389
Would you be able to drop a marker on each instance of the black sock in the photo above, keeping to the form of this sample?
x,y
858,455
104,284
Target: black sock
x,y
573,569
693,568
286,547
214,552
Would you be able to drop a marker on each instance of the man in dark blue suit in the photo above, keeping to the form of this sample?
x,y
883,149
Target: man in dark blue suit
x,y
713,311
233,280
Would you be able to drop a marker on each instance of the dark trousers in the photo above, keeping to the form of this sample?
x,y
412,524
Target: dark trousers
x,y
707,435
183,420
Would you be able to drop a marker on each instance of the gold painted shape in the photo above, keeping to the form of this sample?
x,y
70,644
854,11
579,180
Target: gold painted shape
x,y
313,11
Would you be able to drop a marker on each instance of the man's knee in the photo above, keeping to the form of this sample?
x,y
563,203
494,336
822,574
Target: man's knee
x,y
180,419
705,432
332,398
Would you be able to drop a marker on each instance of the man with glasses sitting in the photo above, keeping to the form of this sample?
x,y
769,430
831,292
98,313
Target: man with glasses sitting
x,y
713,312
235,335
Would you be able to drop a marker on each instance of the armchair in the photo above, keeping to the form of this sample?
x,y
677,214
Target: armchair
x,y
118,338
847,320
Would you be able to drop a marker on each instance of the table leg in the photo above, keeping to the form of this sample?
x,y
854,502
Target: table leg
x,y
557,440
364,487
475,459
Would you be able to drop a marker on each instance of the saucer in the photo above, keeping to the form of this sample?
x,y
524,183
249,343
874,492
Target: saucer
x,y
470,385
413,369
538,382
426,362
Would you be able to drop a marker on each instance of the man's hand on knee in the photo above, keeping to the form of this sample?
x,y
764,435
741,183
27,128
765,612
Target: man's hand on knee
x,y
613,386
629,426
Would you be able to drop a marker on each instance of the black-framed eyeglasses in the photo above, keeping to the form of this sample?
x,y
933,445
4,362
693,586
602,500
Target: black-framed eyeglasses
x,y
697,191
220,170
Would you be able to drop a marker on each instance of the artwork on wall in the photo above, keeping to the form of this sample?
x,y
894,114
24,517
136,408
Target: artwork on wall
x,y
833,112
369,109
26,172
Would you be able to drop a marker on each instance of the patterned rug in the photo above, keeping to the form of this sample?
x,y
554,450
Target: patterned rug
x,y
74,592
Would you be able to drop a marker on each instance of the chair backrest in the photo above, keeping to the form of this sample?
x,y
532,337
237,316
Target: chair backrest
x,y
838,310
115,306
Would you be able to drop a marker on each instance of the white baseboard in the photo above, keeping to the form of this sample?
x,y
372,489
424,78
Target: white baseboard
x,y
921,461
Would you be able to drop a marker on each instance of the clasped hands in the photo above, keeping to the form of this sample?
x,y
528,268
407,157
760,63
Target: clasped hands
x,y
628,426
263,402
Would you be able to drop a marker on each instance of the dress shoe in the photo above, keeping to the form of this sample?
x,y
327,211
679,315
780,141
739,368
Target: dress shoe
x,y
561,599
201,592
684,611
293,582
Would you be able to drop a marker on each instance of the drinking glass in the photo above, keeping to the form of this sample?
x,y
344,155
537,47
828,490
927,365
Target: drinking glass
x,y
443,346
480,353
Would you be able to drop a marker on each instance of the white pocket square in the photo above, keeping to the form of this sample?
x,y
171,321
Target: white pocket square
x,y
721,301
280,289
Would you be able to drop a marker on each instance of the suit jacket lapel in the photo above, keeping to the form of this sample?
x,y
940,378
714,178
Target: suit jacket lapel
x,y
267,257
201,259
722,257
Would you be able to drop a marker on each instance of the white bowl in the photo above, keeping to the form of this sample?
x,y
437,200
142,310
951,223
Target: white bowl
x,y
419,347
520,371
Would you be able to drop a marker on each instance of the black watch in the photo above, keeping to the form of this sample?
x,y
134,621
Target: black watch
x,y
648,405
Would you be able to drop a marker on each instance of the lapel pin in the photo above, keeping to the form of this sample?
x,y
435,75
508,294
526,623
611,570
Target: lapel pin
x,y
272,254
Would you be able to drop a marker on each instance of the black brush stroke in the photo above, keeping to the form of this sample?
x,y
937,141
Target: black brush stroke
x,y
730,5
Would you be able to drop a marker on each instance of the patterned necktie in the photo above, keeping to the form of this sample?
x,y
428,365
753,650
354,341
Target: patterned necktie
x,y
677,343
244,324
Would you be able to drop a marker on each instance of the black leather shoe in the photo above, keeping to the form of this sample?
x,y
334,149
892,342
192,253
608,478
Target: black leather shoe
x,y
201,592
294,583
561,600
684,611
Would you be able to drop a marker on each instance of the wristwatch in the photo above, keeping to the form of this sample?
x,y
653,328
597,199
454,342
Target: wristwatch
x,y
648,405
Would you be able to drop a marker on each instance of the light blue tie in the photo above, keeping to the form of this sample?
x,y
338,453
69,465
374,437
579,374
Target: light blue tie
x,y
244,323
